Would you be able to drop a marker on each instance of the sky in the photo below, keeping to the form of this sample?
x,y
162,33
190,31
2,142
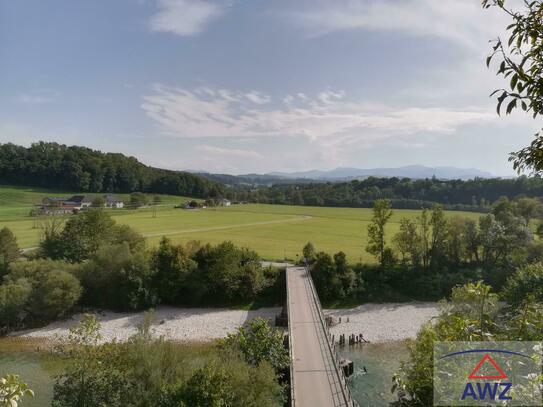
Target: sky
x,y
239,86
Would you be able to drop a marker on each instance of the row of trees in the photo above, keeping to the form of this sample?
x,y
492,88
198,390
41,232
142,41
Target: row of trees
x,y
81,169
432,253
92,261
403,193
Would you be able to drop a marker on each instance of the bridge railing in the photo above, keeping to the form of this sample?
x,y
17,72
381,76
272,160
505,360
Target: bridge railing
x,y
331,345
292,400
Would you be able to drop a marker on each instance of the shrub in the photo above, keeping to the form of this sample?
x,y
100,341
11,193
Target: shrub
x,y
116,278
54,290
526,282
14,297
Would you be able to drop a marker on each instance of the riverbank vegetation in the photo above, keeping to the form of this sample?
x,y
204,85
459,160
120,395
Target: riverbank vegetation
x,y
431,254
92,261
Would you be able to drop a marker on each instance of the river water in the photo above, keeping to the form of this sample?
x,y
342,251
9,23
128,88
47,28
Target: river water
x,y
371,388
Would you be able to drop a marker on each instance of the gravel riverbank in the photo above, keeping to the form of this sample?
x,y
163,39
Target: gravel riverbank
x,y
377,322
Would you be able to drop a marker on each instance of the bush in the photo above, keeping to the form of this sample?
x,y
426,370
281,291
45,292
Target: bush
x,y
54,290
14,297
153,372
118,279
9,249
85,233
258,342
527,282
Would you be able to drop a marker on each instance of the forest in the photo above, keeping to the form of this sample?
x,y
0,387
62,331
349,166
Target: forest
x,y
74,168
404,193
81,169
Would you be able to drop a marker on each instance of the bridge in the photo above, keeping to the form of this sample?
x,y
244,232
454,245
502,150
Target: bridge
x,y
316,378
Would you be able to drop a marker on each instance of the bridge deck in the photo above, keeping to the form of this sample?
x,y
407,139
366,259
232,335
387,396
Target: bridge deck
x,y
316,380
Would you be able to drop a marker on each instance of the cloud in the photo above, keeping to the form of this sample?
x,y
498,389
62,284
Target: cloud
x,y
185,17
461,21
328,118
228,152
37,97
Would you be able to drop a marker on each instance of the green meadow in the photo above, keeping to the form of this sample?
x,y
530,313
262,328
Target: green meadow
x,y
274,231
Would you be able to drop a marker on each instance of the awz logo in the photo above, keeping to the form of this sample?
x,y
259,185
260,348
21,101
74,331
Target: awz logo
x,y
478,388
487,391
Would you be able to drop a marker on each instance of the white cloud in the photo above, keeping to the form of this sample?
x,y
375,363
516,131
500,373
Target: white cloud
x,y
38,97
328,118
185,17
462,21
228,152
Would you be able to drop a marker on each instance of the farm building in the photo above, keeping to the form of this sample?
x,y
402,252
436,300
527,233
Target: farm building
x,y
64,206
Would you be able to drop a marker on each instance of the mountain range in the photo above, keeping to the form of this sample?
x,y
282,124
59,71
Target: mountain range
x,y
410,171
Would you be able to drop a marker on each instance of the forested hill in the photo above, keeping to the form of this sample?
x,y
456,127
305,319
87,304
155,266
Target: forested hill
x,y
74,168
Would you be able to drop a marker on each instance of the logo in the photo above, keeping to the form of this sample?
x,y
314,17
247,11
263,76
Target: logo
x,y
487,373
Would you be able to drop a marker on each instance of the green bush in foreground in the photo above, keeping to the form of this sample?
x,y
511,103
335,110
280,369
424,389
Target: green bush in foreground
x,y
12,390
473,313
153,372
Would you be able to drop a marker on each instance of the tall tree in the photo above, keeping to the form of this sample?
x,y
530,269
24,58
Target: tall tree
x,y
376,229
9,249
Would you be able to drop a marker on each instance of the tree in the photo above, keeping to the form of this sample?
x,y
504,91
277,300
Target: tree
x,y
344,273
118,279
323,272
309,252
439,234
98,202
85,233
137,199
54,289
14,297
209,387
92,377
9,249
173,267
408,242
12,390
258,342
526,282
376,229
528,209
521,64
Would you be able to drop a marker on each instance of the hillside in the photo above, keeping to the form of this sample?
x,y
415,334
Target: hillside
x,y
74,168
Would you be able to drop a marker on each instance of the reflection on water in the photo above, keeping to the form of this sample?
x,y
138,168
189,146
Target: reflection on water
x,y
372,387
33,369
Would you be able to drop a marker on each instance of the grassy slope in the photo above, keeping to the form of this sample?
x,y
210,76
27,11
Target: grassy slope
x,y
272,230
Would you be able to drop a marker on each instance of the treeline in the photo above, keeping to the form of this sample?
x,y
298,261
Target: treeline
x,y
81,169
403,193
93,262
433,253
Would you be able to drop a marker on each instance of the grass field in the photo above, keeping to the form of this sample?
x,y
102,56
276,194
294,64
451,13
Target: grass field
x,y
274,231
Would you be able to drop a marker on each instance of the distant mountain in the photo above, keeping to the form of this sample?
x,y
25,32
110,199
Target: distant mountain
x,y
410,171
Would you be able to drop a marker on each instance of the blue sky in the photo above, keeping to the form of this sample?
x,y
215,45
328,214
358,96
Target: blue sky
x,y
257,86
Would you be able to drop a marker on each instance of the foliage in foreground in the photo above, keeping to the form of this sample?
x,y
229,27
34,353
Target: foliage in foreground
x,y
145,371
474,313
12,390
521,65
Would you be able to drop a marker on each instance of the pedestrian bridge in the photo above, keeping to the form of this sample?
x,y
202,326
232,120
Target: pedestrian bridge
x,y
316,377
